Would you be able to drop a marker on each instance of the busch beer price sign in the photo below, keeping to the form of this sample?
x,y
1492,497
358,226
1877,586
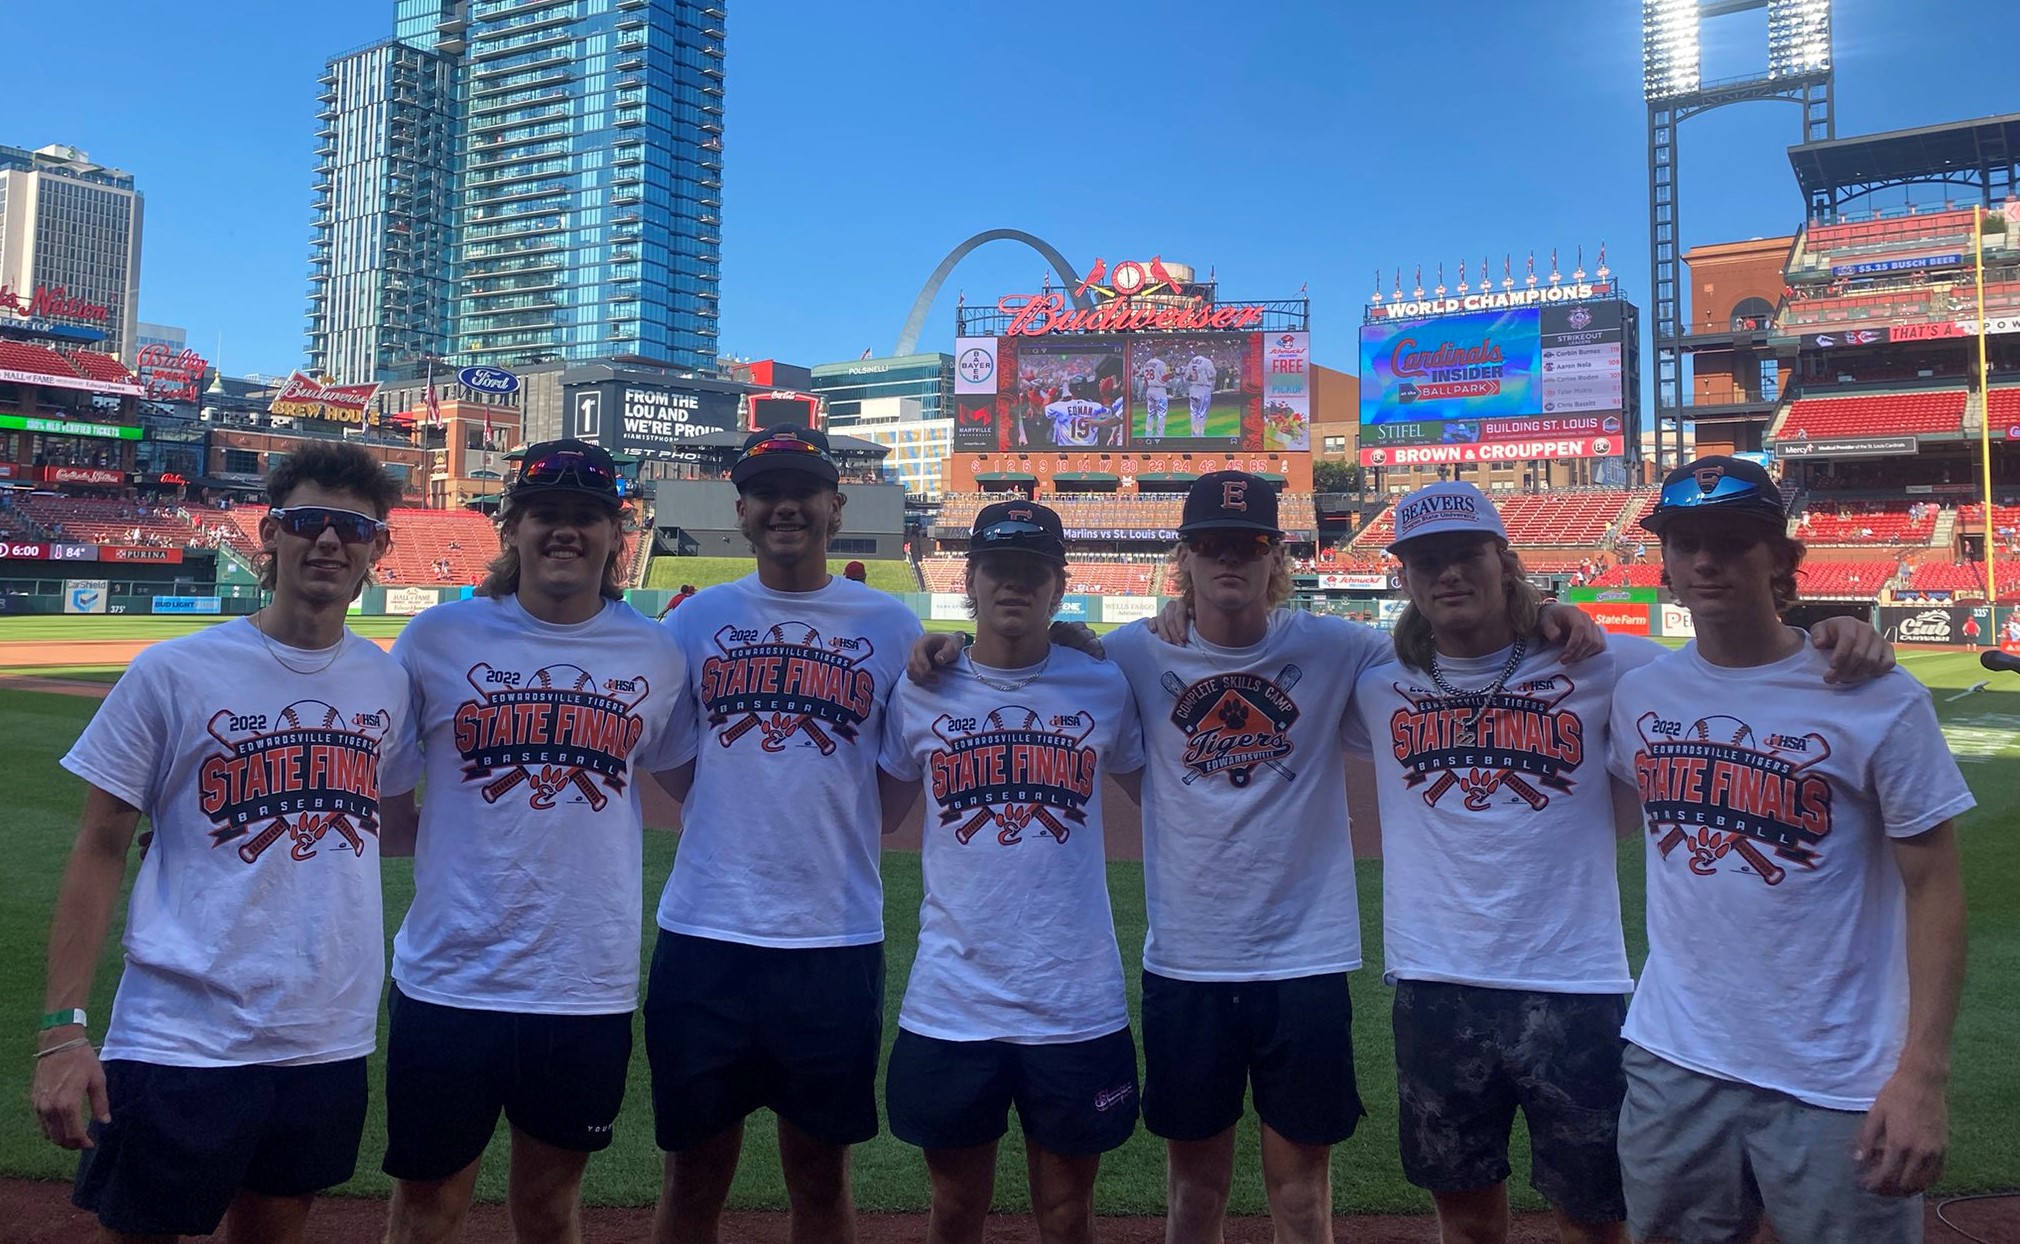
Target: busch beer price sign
x,y
1133,296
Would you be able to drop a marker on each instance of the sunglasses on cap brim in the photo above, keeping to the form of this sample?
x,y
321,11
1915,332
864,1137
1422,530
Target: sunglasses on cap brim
x,y
311,521
1730,492
1012,530
1249,544
784,445
566,466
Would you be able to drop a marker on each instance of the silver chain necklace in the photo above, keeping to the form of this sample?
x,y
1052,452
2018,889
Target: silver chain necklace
x,y
1010,684
281,661
1469,730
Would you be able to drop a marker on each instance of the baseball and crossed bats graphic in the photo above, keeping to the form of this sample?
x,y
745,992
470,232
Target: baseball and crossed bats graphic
x,y
1507,777
1736,840
578,777
256,846
775,738
984,815
1286,678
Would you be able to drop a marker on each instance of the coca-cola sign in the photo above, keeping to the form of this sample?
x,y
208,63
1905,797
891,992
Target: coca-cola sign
x,y
53,302
171,376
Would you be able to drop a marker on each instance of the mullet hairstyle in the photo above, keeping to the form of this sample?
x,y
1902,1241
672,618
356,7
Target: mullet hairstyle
x,y
1416,645
1788,553
339,467
1179,579
501,575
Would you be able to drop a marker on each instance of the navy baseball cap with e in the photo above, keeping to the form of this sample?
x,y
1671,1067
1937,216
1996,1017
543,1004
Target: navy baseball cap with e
x,y
1019,527
1230,501
568,466
1727,488
785,447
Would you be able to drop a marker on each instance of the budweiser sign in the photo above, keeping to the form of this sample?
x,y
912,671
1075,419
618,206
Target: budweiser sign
x,y
303,398
1035,315
53,303
171,376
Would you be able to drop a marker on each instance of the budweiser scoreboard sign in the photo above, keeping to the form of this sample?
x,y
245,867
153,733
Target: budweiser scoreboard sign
x,y
303,398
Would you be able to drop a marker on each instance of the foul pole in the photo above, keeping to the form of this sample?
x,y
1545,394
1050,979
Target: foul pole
x,y
1984,409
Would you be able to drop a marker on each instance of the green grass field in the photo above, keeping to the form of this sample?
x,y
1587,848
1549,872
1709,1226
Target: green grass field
x,y
668,573
1223,419
1984,729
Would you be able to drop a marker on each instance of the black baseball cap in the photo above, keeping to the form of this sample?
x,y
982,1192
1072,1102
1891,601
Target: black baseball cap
x,y
785,447
1727,487
1230,501
1019,527
565,466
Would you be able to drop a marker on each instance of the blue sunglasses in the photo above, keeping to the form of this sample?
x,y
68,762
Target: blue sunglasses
x,y
1688,494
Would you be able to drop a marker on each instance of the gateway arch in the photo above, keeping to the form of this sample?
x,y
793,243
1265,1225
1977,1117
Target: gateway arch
x,y
915,323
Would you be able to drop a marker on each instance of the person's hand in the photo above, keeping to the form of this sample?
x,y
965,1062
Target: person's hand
x,y
1078,636
1858,652
1581,636
1172,623
1900,1149
933,652
64,1083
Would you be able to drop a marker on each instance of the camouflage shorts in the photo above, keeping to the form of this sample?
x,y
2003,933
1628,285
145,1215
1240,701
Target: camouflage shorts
x,y
1467,1057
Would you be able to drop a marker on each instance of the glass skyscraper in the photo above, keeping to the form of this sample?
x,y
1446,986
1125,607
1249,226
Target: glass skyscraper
x,y
569,155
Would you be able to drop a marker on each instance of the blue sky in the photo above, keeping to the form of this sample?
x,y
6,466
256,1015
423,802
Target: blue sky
x,y
1300,142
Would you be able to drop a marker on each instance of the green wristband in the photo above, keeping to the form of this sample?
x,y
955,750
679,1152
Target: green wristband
x,y
59,1019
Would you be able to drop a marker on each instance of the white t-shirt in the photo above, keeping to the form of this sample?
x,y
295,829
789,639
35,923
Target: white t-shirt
x,y
1016,941
1200,373
1499,858
781,834
528,867
254,933
1248,863
1776,915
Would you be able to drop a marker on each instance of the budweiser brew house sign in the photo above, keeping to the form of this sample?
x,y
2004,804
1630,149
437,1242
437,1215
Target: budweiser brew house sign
x,y
303,398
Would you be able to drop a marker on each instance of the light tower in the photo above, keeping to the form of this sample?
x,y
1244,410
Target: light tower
x,y
1799,72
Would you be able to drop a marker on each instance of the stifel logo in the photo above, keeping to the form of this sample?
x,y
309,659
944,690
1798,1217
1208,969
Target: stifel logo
x,y
301,774
1234,723
1710,788
1521,734
785,680
550,730
1011,768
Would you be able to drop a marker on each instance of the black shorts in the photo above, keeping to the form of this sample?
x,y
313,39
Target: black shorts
x,y
184,1141
450,1071
1467,1057
732,1028
1073,1099
1206,1042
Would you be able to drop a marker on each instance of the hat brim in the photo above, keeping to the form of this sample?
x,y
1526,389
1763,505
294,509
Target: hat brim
x,y
800,463
520,494
1495,536
1228,524
1051,556
1654,522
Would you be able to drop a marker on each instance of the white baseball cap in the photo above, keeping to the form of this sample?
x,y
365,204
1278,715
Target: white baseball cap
x,y
1449,506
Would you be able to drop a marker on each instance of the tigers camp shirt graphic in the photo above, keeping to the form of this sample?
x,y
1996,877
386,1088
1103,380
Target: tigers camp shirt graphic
x,y
1525,745
1726,797
1010,768
560,731
307,773
1235,723
787,680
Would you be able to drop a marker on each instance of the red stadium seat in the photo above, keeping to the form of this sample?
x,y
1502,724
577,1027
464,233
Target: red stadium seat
x,y
1878,414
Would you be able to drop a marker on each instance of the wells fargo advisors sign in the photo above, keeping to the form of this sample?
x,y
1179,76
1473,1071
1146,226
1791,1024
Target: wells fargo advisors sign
x,y
303,398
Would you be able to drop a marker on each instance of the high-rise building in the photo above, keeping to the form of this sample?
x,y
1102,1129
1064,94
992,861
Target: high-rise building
x,y
70,242
567,158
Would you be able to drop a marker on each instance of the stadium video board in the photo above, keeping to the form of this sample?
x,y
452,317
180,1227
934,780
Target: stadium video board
x,y
1494,386
1173,391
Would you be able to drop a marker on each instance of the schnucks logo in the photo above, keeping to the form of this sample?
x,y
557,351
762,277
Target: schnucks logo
x,y
488,380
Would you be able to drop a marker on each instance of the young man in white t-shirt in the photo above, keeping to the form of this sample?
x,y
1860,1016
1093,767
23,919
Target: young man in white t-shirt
x,y
1500,901
1012,746
767,986
232,1087
540,701
1789,1043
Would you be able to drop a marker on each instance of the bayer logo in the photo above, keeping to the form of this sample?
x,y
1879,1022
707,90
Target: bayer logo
x,y
976,365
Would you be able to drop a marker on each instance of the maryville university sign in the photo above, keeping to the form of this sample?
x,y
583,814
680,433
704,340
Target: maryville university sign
x,y
53,303
1132,297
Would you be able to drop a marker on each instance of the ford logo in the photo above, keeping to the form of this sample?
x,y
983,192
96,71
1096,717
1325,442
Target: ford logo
x,y
488,380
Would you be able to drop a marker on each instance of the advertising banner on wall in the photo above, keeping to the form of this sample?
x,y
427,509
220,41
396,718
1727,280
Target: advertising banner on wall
x,y
1287,393
1677,623
1120,609
408,601
303,398
946,606
86,595
974,365
186,604
647,420
1965,625
1619,619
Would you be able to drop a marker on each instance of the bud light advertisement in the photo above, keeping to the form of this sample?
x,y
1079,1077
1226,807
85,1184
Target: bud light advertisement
x,y
1454,368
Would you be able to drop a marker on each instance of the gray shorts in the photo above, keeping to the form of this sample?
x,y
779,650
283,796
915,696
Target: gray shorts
x,y
1702,1160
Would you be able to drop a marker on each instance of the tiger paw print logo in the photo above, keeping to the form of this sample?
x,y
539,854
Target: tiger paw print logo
x,y
560,731
1717,799
1011,770
788,685
303,775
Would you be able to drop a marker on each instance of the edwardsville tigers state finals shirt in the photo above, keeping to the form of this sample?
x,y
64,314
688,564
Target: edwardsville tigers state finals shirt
x,y
1498,851
1016,941
254,934
1248,862
528,866
781,832
1777,944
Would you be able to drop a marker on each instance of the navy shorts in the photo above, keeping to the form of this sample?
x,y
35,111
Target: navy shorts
x,y
1075,1098
1206,1043
450,1071
183,1141
1467,1057
732,1028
